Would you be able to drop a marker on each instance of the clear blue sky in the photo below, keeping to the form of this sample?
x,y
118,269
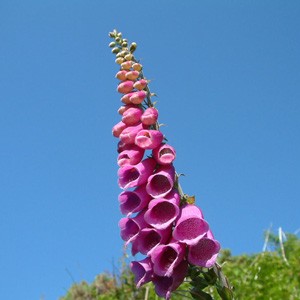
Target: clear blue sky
x,y
227,74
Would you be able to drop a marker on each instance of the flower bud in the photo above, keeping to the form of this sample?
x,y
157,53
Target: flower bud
x,y
126,98
121,75
125,87
132,75
126,65
138,97
118,128
119,60
140,85
118,40
149,116
132,47
115,50
124,44
132,116
112,44
123,108
137,67
129,56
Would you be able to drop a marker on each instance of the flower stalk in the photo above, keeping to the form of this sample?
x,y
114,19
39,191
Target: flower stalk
x,y
161,222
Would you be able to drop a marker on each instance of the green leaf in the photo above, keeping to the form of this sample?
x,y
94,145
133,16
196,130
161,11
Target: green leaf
x,y
200,295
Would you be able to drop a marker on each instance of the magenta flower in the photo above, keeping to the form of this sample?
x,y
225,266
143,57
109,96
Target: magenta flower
x,y
134,201
166,257
148,139
164,285
142,271
171,233
161,213
129,133
132,176
148,239
130,227
190,226
131,155
164,154
162,182
204,253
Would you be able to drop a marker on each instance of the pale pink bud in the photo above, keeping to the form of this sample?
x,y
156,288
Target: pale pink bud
x,y
118,128
140,84
123,108
149,116
132,116
132,75
137,67
121,75
126,98
126,65
138,97
148,139
125,87
164,154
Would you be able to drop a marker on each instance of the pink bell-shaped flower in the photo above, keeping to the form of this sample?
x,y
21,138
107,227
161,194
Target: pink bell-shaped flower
x,y
205,252
132,155
164,285
161,182
162,212
148,239
166,257
142,271
164,154
131,227
190,226
134,201
148,139
132,176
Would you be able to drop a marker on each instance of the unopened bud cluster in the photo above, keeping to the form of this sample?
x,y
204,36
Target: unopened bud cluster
x,y
158,222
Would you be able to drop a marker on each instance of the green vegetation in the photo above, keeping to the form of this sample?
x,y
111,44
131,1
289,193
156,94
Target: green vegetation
x,y
270,275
